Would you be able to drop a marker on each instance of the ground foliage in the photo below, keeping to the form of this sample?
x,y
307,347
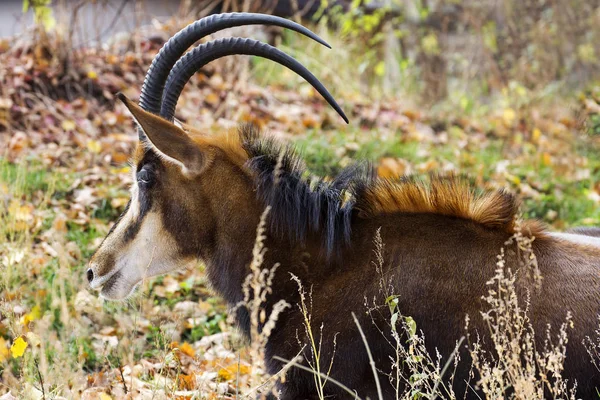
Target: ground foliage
x,y
64,179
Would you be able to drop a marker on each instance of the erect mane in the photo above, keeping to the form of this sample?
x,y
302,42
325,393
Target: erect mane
x,y
449,196
300,205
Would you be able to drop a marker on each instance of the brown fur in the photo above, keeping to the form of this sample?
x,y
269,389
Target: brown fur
x,y
441,241
448,196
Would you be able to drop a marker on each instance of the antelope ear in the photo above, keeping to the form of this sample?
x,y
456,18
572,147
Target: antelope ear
x,y
167,139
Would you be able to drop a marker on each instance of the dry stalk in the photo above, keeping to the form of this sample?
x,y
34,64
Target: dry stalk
x,y
315,345
256,288
515,368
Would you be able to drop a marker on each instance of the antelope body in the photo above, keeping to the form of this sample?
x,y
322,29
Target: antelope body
x,y
200,197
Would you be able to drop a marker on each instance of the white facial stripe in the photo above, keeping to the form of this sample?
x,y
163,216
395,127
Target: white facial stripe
x,y
577,238
152,252
134,206
112,243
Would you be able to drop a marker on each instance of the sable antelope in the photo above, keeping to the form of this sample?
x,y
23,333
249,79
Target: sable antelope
x,y
200,196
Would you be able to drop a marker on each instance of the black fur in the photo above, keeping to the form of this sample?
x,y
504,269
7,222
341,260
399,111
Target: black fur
x,y
299,206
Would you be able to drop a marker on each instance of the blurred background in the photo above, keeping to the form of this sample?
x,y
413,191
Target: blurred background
x,y
435,48
502,91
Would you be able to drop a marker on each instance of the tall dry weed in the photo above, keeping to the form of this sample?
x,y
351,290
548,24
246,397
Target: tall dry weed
x,y
315,343
592,344
256,288
414,372
515,368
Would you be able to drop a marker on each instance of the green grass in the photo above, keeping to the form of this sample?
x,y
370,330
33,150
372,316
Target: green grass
x,y
569,199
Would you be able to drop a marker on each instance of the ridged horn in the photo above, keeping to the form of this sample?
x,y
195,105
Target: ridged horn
x,y
154,83
195,59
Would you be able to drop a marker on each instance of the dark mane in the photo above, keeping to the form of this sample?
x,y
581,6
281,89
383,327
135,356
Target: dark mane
x,y
300,205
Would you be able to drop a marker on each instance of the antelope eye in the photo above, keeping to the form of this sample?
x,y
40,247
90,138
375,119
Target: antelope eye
x,y
144,176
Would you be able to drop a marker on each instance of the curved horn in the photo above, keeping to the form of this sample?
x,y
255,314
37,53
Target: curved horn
x,y
207,52
154,83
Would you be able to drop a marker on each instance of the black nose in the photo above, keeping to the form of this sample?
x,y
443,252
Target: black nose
x,y
90,275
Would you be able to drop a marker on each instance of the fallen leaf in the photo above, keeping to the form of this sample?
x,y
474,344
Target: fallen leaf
x,y
212,99
546,159
34,314
186,382
392,168
68,125
536,134
508,116
119,202
4,353
94,146
18,347
230,372
187,349
60,223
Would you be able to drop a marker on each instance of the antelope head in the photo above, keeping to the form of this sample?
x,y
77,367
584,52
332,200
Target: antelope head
x,y
190,200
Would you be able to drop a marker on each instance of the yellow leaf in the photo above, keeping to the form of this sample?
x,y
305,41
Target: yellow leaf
x,y
186,382
380,68
124,170
187,349
509,116
18,347
586,52
68,125
25,320
3,350
430,44
119,202
94,146
546,159
230,372
212,99
104,396
536,134
392,168
513,179
92,74
36,312
20,213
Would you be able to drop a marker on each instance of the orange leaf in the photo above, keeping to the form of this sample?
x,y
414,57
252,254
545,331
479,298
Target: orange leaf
x,y
3,350
546,159
187,349
186,382
392,168
230,372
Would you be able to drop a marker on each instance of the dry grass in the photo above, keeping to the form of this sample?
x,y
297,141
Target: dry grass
x,y
413,372
516,369
256,288
593,347
71,317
